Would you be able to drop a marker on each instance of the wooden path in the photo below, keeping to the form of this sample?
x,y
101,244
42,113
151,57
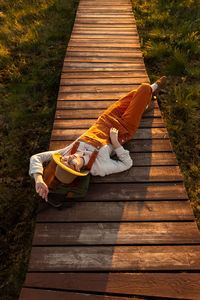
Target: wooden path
x,y
134,235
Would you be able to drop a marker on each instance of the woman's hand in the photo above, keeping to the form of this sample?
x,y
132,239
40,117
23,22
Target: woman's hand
x,y
41,187
114,137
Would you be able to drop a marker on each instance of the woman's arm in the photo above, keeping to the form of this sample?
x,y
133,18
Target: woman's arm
x,y
36,169
105,165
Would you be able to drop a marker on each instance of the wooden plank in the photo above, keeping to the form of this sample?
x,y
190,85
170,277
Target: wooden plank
x,y
141,133
139,192
144,174
118,211
92,59
104,74
98,44
108,66
117,258
133,145
93,113
101,15
87,123
103,81
173,285
40,294
154,159
100,88
88,105
117,233
102,54
125,32
138,68
114,26
109,21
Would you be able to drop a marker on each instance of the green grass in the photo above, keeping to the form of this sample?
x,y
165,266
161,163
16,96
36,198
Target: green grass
x,y
34,36
170,40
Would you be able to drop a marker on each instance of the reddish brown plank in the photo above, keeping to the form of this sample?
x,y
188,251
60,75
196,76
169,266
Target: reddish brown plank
x,y
104,81
94,96
39,294
141,133
116,258
144,174
85,124
105,50
133,145
118,211
116,233
109,65
104,74
134,191
173,285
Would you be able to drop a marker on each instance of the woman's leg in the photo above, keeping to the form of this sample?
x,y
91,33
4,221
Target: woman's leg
x,y
133,114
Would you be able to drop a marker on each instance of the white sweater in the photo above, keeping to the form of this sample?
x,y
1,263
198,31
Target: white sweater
x,y
102,166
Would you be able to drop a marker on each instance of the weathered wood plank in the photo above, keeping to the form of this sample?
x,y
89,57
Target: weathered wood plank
x,y
86,123
90,104
92,113
110,54
134,191
103,81
40,294
101,88
117,66
144,174
104,59
83,211
106,44
141,133
106,50
104,21
91,59
117,258
101,15
116,233
173,285
139,69
106,32
105,74
141,146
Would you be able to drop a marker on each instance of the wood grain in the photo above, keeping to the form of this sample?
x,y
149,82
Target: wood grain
x,y
118,211
33,294
117,233
116,258
179,285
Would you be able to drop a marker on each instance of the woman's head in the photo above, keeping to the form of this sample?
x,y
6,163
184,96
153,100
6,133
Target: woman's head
x,y
69,167
74,161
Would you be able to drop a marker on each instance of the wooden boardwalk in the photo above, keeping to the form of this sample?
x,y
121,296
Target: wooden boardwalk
x,y
134,235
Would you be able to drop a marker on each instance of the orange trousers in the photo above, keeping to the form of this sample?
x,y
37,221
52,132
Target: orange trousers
x,y
125,115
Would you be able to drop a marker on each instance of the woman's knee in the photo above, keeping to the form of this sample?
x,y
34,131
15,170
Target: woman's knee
x,y
146,87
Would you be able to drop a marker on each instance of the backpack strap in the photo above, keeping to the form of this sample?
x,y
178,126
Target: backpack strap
x,y
75,147
92,159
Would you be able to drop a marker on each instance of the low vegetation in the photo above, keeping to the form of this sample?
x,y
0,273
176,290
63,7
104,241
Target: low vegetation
x,y
170,40
34,36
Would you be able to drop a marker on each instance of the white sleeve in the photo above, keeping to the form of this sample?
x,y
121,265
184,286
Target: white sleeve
x,y
37,160
114,166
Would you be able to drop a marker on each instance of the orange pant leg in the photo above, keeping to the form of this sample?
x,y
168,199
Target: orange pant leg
x,y
132,115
